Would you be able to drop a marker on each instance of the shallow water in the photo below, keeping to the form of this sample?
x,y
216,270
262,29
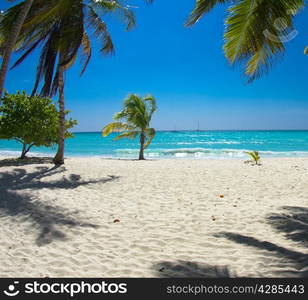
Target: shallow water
x,y
181,144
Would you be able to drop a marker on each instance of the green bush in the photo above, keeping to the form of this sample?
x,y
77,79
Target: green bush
x,y
32,121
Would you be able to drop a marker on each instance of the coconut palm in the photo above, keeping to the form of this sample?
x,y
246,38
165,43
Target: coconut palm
x,y
256,31
11,40
63,29
137,114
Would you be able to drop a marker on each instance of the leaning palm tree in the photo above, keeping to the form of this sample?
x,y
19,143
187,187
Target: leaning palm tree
x,y
137,114
11,41
256,31
63,29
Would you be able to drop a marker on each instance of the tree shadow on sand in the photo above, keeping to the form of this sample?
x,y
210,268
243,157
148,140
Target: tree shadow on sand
x,y
17,162
294,226
46,217
187,269
293,223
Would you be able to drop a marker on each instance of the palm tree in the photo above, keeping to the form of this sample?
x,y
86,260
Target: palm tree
x,y
11,40
61,29
137,113
256,31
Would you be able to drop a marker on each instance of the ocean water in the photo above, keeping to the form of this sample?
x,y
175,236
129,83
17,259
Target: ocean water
x,y
180,144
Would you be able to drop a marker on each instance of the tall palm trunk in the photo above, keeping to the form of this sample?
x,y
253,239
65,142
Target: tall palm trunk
x,y
142,140
59,158
9,46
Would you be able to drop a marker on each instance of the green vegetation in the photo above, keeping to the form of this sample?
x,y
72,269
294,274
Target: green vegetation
x,y
32,121
255,156
137,113
256,31
11,39
62,30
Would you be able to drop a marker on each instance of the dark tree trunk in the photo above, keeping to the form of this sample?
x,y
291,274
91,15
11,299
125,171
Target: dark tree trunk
x,y
141,152
24,151
59,158
9,46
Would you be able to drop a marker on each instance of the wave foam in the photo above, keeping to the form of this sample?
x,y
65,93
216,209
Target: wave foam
x,y
207,153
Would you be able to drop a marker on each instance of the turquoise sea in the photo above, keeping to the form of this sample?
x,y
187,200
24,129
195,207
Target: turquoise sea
x,y
181,144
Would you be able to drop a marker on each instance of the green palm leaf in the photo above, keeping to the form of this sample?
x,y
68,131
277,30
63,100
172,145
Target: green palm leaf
x,y
201,8
119,9
86,51
256,31
100,30
128,135
150,134
116,127
255,156
62,28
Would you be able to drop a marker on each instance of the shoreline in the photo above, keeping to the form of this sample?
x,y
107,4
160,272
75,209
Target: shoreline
x,y
161,158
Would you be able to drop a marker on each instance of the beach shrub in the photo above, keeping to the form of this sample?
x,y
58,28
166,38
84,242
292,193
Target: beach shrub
x,y
255,156
32,121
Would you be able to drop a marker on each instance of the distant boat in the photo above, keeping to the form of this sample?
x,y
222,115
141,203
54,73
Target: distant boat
x,y
198,127
174,129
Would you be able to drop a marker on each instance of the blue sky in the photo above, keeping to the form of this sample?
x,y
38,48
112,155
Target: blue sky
x,y
185,69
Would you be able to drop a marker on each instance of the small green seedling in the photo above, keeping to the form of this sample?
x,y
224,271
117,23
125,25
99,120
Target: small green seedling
x,y
255,156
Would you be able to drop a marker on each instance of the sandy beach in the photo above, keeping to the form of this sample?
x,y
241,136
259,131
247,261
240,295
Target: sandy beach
x,y
95,217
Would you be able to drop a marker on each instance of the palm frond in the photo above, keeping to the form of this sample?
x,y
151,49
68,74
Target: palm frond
x,y
119,9
201,8
259,63
47,62
152,104
241,24
256,31
116,127
86,51
253,34
150,134
25,55
100,30
127,135
135,111
47,12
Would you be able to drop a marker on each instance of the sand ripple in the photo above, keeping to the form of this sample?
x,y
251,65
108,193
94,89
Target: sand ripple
x,y
167,218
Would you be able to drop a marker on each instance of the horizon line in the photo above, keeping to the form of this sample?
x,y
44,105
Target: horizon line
x,y
204,130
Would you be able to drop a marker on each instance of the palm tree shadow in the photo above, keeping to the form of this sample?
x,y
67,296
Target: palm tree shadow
x,y
294,226
17,162
41,215
187,269
293,223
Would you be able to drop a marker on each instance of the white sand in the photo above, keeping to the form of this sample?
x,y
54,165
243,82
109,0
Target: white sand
x,y
172,222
